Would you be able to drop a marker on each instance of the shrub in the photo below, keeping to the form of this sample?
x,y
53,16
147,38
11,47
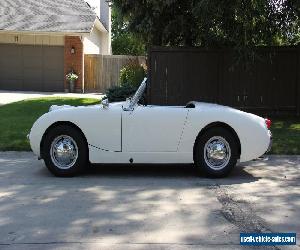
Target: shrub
x,y
120,93
132,74
130,77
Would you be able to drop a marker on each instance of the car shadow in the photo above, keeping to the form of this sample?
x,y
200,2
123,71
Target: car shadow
x,y
167,171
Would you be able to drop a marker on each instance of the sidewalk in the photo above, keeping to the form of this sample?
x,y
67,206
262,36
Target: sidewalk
x,y
7,97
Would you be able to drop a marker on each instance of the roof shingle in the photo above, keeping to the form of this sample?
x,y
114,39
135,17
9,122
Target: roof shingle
x,y
73,16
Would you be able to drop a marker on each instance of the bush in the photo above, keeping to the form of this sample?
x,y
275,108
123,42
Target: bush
x,y
132,74
130,77
120,93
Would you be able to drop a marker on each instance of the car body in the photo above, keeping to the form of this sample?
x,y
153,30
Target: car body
x,y
127,132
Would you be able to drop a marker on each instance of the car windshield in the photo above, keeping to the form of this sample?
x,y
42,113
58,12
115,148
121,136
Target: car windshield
x,y
138,94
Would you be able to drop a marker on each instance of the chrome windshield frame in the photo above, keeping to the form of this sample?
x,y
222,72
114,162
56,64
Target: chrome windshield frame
x,y
129,106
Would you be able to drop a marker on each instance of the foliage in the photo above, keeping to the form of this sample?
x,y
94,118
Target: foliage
x,y
20,116
71,76
123,41
127,44
240,24
120,93
286,136
118,23
132,74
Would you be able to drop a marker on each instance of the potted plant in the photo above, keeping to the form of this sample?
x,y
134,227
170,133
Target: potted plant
x,y
72,77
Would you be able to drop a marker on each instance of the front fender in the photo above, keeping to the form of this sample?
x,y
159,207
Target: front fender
x,y
39,128
101,127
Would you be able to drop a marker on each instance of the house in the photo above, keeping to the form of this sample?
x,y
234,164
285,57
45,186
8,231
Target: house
x,y
41,41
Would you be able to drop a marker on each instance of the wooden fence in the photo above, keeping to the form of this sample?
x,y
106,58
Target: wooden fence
x,y
103,71
270,86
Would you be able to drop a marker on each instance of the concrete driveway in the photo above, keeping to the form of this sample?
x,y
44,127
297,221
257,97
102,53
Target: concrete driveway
x,y
144,207
7,97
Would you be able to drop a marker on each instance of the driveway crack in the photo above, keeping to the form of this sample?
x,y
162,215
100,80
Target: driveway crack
x,y
241,214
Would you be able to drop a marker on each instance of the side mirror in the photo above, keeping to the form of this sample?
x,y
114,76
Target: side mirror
x,y
105,103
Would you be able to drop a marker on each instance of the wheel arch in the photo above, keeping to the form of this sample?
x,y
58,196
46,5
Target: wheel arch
x,y
218,125
56,124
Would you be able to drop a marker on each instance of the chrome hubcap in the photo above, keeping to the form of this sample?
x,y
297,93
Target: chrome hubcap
x,y
217,153
64,152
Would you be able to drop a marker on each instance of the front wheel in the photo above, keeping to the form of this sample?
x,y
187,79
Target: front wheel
x,y
65,151
216,152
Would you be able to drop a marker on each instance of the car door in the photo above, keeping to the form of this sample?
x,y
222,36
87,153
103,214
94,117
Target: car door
x,y
152,128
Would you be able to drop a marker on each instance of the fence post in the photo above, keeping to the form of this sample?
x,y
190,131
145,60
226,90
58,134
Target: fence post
x,y
298,80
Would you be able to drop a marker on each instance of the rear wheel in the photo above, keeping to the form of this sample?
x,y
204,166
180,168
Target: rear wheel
x,y
65,151
216,152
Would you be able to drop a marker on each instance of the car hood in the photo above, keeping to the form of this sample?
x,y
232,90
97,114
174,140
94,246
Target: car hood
x,y
65,107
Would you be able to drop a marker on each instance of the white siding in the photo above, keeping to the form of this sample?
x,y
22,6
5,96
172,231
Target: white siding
x,y
105,14
105,17
106,43
31,39
92,42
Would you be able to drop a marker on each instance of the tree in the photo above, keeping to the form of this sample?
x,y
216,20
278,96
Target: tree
x,y
241,24
127,44
124,42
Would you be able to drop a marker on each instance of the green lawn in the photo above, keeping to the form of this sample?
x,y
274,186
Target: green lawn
x,y
16,119
286,136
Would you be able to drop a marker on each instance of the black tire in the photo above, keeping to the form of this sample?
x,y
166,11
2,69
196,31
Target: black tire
x,y
82,159
199,156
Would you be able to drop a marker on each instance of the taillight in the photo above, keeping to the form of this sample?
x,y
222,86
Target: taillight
x,y
268,123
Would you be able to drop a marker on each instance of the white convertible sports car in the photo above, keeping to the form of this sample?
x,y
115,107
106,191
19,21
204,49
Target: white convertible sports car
x,y
211,136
